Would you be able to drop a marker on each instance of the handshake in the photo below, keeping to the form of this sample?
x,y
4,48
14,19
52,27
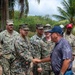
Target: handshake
x,y
36,61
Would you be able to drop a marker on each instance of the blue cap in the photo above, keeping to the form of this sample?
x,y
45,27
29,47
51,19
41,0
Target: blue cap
x,y
56,29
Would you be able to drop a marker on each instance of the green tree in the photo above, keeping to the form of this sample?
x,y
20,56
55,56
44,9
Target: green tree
x,y
32,21
7,10
67,12
24,7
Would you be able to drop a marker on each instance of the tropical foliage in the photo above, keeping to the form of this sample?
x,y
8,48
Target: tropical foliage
x,y
67,12
7,10
33,20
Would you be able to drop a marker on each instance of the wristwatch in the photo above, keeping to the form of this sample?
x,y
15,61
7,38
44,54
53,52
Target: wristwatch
x,y
61,73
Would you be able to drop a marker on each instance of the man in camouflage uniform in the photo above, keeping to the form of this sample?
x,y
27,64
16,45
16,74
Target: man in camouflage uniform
x,y
47,38
71,39
49,45
23,62
7,38
40,50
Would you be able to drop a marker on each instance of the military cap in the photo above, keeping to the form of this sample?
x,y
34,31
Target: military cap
x,y
39,26
9,22
24,26
47,27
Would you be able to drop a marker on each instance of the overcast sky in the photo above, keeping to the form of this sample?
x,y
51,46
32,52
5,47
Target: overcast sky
x,y
45,7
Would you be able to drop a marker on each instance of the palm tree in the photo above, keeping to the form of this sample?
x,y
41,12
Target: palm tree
x,y
7,9
24,7
3,12
67,12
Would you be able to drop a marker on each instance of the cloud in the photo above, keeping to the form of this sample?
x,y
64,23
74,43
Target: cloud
x,y
44,7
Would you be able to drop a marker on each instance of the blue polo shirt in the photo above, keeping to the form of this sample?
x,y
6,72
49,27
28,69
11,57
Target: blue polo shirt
x,y
61,51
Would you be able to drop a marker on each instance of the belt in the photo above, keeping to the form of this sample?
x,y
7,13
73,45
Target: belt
x,y
69,69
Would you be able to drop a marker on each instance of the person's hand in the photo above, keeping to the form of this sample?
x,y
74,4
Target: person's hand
x,y
39,70
36,60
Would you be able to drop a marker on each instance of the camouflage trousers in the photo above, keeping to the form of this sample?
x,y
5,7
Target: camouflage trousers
x,y
47,70
22,73
8,70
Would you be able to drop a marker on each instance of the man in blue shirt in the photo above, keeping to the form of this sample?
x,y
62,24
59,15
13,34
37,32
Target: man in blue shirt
x,y
61,56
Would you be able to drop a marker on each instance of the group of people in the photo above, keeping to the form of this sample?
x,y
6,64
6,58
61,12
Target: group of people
x,y
21,55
